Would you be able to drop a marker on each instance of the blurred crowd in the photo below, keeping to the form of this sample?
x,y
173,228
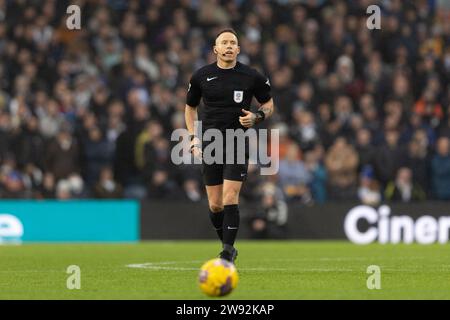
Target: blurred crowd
x,y
362,114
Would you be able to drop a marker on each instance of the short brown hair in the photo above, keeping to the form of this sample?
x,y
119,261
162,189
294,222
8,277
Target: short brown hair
x,y
227,30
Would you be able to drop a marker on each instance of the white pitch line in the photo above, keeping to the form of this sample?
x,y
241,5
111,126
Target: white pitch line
x,y
163,265
172,266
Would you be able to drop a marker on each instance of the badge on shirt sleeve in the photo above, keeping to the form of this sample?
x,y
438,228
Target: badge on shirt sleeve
x,y
238,96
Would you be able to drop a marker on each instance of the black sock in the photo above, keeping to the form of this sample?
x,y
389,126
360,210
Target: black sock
x,y
230,224
217,221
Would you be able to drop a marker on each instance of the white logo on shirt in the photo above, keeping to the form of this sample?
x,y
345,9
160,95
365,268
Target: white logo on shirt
x,y
268,82
238,96
209,79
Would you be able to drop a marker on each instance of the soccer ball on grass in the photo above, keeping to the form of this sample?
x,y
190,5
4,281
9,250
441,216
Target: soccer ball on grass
x,y
218,277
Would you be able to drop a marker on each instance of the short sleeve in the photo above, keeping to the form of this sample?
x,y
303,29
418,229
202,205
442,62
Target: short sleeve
x,y
194,93
262,88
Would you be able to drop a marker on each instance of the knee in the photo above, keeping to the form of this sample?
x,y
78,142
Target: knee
x,y
231,197
215,208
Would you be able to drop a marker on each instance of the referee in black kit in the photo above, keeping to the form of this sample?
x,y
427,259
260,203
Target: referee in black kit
x,y
227,88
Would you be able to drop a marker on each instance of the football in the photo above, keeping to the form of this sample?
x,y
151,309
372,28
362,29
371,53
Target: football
x,y
218,277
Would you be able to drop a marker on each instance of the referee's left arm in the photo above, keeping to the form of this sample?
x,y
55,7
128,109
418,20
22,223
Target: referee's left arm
x,y
262,94
264,112
267,108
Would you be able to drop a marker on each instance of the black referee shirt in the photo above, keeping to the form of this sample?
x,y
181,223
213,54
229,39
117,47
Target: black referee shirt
x,y
225,92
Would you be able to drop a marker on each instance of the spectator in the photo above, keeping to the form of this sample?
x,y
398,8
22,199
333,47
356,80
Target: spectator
x,y
304,97
50,120
417,160
444,130
366,151
96,155
29,144
440,169
341,162
5,135
293,176
192,190
270,218
343,109
416,123
63,191
47,189
388,157
313,163
106,187
404,189
62,156
369,191
12,184
429,109
304,129
159,170
32,179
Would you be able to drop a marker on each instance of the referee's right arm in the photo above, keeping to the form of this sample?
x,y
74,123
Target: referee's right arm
x,y
193,97
190,115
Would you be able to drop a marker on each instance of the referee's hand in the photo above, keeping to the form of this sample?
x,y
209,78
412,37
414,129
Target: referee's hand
x,y
195,148
248,120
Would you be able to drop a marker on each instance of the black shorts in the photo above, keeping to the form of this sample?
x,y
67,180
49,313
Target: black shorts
x,y
215,173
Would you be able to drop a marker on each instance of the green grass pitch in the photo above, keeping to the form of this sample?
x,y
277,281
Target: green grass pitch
x,y
267,270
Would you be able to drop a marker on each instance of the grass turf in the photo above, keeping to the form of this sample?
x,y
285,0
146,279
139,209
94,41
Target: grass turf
x,y
267,270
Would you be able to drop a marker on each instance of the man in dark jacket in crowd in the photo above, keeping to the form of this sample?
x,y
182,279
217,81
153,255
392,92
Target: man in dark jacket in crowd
x,y
440,169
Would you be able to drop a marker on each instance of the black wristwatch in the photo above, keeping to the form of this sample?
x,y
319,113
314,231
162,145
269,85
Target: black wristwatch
x,y
260,116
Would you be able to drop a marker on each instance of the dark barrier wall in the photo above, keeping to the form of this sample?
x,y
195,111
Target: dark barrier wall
x,y
426,222
165,220
175,220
